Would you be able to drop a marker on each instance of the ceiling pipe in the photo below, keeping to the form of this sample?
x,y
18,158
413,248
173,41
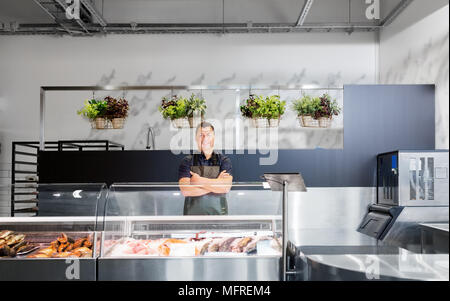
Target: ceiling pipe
x,y
78,21
396,12
90,7
304,12
102,27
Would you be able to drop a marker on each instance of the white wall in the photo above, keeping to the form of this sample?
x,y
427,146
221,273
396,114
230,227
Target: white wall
x,y
415,50
28,62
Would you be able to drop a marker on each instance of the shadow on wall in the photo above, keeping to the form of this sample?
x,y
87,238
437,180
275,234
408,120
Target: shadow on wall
x,y
429,64
144,113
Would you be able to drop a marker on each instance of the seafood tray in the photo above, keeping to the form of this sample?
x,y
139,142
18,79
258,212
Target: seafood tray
x,y
47,256
13,244
187,248
212,246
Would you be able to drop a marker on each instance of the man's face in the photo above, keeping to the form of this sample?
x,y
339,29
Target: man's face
x,y
205,140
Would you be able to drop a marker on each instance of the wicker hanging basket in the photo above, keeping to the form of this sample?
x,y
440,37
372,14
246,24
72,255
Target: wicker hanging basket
x,y
273,123
260,122
180,123
100,123
195,121
325,122
308,122
118,123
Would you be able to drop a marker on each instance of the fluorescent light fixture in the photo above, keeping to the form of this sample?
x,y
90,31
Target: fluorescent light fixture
x,y
57,195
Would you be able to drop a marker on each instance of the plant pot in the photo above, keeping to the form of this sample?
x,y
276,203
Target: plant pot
x,y
273,123
180,123
325,122
195,121
100,123
260,122
118,123
308,121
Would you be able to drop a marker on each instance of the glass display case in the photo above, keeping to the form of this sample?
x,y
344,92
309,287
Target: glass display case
x,y
147,236
61,242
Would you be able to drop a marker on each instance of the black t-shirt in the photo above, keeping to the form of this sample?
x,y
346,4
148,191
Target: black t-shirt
x,y
185,167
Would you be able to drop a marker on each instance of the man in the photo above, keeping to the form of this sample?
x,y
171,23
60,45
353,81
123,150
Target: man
x,y
205,178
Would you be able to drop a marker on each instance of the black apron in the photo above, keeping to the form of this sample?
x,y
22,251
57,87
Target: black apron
x,y
211,203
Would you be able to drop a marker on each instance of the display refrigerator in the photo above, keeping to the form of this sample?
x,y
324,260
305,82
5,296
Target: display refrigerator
x,y
61,242
146,235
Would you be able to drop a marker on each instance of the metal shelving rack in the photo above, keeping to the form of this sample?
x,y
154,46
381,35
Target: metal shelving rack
x,y
24,168
80,145
24,179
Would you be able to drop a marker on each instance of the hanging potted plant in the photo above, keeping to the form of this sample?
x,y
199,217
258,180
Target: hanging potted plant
x,y
175,109
196,109
89,111
307,109
328,109
95,111
276,109
100,120
116,111
256,110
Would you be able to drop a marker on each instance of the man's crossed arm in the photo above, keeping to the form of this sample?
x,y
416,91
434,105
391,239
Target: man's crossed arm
x,y
198,186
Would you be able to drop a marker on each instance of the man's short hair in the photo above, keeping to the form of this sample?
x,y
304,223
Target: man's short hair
x,y
204,125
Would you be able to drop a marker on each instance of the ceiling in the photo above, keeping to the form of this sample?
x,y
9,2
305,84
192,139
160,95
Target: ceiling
x,y
193,16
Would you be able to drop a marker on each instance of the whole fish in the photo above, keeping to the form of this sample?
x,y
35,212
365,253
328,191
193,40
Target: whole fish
x,y
26,249
5,233
15,239
18,245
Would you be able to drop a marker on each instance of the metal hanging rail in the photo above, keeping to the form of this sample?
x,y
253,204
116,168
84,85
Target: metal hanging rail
x,y
236,88
190,87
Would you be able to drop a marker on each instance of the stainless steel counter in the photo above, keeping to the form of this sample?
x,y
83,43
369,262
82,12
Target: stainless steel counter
x,y
343,254
330,237
250,268
404,266
434,238
438,227
48,269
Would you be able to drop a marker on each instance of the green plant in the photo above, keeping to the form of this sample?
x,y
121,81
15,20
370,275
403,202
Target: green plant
x,y
316,107
116,108
261,110
101,107
307,106
174,107
255,107
275,107
93,109
196,104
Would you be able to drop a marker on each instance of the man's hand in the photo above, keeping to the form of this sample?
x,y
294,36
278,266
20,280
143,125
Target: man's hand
x,y
188,189
196,179
224,175
221,184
